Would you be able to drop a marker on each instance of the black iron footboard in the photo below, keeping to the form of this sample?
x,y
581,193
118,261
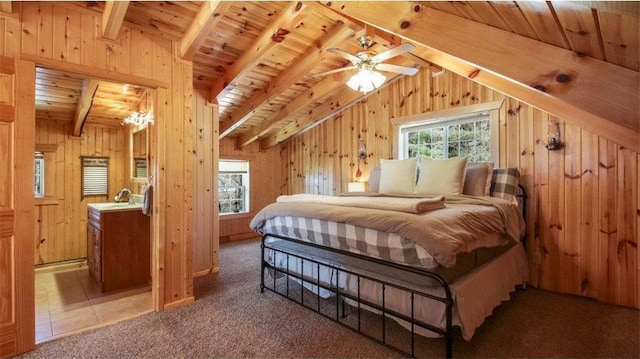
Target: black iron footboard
x,y
285,248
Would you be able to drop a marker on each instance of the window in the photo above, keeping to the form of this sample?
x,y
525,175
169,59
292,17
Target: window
x,y
233,186
467,135
39,174
95,176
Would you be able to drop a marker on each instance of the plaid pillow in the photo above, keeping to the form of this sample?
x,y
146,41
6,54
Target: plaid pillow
x,y
504,183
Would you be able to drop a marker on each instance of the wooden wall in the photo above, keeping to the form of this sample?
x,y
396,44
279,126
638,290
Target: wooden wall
x,y
584,206
69,39
206,229
61,217
265,185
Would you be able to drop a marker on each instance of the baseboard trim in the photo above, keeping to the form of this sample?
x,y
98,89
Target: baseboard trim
x,y
179,303
206,271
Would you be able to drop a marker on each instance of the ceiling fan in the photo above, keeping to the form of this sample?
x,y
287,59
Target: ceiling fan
x,y
369,62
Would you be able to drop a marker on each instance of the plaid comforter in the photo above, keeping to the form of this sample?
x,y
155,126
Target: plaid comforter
x,y
426,240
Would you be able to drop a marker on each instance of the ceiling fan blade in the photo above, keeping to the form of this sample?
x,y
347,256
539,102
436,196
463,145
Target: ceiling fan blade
x,y
322,74
406,47
398,69
354,59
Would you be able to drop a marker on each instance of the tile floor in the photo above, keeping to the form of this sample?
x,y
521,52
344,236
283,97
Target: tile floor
x,y
69,301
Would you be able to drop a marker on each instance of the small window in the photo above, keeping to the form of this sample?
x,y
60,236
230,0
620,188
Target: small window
x,y
233,186
95,176
39,174
469,135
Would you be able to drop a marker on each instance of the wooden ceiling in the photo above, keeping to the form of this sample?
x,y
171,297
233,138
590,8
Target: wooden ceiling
x,y
255,58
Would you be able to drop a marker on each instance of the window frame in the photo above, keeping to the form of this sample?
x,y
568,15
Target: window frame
x,y
246,185
450,116
83,167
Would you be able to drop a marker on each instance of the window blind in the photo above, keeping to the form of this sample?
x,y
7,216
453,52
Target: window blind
x,y
95,176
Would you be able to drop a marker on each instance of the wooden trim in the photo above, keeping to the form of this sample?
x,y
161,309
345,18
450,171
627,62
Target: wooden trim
x,y
425,116
206,19
630,8
112,17
179,303
289,16
24,132
44,147
200,273
93,72
89,88
46,201
553,79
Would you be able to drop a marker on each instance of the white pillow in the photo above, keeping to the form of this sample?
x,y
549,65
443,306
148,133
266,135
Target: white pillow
x,y
441,176
477,178
398,176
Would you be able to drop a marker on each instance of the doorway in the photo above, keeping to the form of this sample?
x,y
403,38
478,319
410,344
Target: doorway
x,y
79,117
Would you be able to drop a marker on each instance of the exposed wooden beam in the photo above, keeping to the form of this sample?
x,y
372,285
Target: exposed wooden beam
x,y
315,93
336,104
301,67
275,33
555,80
5,6
94,72
206,19
89,88
112,18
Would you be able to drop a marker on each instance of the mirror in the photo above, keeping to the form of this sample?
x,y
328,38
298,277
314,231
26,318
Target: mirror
x,y
139,152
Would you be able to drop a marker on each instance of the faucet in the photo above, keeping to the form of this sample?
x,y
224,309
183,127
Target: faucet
x,y
123,195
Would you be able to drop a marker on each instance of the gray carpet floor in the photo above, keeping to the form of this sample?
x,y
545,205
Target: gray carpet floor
x,y
231,318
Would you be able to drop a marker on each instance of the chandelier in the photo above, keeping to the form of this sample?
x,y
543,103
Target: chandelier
x,y
138,118
366,80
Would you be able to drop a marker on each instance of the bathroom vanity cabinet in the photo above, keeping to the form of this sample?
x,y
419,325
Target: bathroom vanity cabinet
x,y
118,245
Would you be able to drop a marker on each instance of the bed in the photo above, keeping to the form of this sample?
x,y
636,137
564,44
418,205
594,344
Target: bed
x,y
427,261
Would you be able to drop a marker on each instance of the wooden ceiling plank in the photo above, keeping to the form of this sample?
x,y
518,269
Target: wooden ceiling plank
x,y
5,6
511,13
620,47
580,27
552,79
112,18
206,19
629,8
270,37
297,70
89,88
489,15
543,22
315,93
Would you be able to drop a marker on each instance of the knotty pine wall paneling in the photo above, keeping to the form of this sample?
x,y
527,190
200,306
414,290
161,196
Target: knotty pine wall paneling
x,y
583,209
61,217
69,39
207,230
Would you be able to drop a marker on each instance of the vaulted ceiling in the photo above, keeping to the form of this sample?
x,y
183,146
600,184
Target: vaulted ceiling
x,y
258,59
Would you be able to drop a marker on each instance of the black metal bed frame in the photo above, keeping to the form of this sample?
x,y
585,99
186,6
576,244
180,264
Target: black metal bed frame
x,y
447,299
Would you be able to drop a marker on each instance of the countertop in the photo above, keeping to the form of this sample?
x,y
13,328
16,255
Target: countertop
x,y
115,206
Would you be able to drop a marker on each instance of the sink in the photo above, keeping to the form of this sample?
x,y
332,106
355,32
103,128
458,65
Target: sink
x,y
112,206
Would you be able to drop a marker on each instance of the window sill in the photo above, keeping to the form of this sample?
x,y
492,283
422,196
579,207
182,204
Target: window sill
x,y
46,201
225,216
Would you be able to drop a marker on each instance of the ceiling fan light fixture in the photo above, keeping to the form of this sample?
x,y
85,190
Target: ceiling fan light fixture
x,y
366,80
